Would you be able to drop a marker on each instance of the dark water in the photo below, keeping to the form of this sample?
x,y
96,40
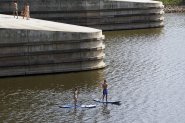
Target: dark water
x,y
146,71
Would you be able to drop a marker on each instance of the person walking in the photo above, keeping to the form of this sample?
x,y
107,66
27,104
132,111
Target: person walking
x,y
15,8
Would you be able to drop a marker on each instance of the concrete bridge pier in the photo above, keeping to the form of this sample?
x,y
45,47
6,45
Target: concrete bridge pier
x,y
35,46
101,14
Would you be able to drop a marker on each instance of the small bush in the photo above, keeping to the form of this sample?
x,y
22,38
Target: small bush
x,y
172,2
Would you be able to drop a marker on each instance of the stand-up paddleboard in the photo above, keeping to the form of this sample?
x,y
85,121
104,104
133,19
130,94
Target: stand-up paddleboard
x,y
68,106
78,106
108,102
88,106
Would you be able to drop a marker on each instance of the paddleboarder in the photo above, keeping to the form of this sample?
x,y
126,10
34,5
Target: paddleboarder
x,y
104,87
76,92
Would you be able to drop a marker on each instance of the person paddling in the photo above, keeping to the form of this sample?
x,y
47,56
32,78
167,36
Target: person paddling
x,y
105,92
76,92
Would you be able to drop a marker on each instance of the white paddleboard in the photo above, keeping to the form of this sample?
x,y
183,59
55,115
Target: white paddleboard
x,y
78,106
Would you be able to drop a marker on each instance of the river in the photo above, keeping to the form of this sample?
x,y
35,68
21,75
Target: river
x,y
145,71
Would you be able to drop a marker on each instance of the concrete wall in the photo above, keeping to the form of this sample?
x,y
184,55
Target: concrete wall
x,y
35,51
102,14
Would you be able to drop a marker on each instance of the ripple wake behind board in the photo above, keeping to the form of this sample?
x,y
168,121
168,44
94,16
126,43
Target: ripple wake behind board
x,y
108,102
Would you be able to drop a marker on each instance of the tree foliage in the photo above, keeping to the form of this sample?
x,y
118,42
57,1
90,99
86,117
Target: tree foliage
x,y
172,2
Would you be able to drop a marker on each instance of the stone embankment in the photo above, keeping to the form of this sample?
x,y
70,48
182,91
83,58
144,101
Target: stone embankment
x,y
101,14
38,47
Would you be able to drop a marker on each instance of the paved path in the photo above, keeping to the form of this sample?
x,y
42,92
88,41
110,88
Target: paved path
x,y
7,21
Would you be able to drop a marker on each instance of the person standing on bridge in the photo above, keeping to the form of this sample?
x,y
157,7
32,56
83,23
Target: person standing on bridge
x,y
27,11
15,8
105,92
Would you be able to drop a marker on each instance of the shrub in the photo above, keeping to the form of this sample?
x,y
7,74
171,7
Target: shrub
x,y
172,2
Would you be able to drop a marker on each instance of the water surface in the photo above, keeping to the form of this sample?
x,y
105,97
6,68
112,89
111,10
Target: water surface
x,y
146,72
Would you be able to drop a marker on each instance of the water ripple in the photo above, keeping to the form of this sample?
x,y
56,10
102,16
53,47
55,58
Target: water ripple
x,y
145,72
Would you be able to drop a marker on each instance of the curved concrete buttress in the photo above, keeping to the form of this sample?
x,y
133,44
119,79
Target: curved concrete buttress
x,y
101,14
37,47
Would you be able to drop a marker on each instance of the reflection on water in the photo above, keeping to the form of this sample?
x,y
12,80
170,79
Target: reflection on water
x,y
133,33
145,72
33,98
58,81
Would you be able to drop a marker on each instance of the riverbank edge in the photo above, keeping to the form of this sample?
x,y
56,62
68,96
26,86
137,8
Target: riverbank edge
x,y
174,8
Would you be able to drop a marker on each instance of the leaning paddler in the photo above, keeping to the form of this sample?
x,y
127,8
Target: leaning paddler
x,y
76,92
104,87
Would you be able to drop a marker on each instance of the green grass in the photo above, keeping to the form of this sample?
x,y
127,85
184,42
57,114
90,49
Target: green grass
x,y
171,2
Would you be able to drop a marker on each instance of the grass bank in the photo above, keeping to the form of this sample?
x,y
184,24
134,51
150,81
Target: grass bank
x,y
172,2
173,6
